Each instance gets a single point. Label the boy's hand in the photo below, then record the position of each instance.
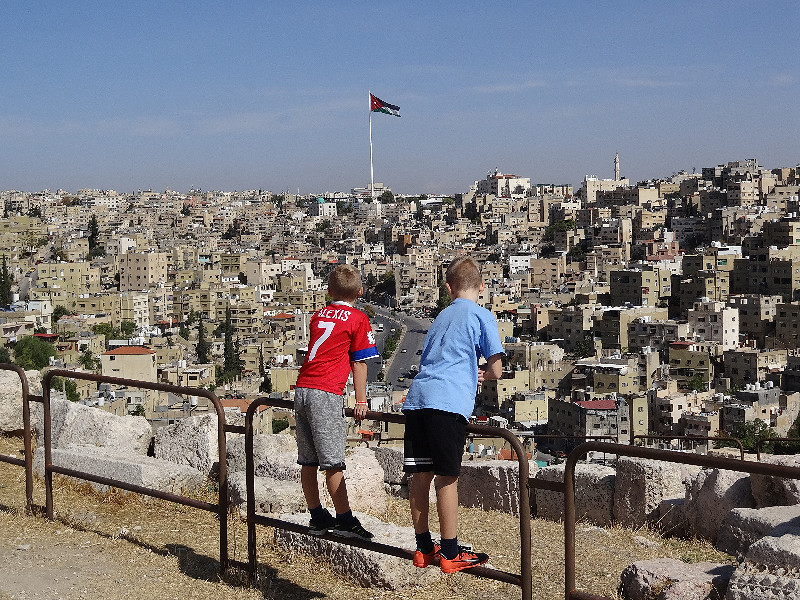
(360, 411)
(481, 375)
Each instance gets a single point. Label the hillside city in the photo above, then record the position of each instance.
(666, 307)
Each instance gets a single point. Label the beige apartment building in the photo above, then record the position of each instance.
(715, 322)
(141, 271)
(62, 283)
(750, 365)
(756, 315)
(130, 362)
(641, 287)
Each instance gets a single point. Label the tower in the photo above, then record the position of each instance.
(616, 167)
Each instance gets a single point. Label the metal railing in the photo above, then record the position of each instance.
(693, 438)
(714, 462)
(27, 462)
(221, 508)
(761, 442)
(524, 579)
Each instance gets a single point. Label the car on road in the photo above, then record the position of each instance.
(401, 379)
(403, 350)
(419, 352)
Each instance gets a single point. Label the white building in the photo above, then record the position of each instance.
(712, 321)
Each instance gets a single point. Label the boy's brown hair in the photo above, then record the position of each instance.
(463, 274)
(344, 283)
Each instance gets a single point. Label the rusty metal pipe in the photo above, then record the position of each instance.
(702, 438)
(27, 435)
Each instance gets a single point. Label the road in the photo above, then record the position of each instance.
(406, 353)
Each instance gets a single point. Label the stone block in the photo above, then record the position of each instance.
(192, 441)
(364, 477)
(271, 495)
(77, 424)
(776, 491)
(742, 527)
(642, 484)
(711, 495)
(365, 567)
(490, 485)
(391, 461)
(670, 579)
(274, 454)
(11, 398)
(125, 467)
(771, 570)
(672, 517)
(594, 493)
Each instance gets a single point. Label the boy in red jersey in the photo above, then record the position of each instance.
(341, 340)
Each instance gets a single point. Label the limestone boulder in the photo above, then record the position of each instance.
(11, 398)
(711, 495)
(742, 527)
(771, 569)
(490, 485)
(594, 493)
(272, 496)
(670, 579)
(391, 461)
(77, 424)
(192, 441)
(125, 467)
(672, 517)
(364, 477)
(274, 455)
(641, 484)
(776, 491)
(367, 568)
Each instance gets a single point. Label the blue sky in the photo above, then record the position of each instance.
(274, 95)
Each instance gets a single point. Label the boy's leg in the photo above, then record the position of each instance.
(447, 505)
(418, 500)
(334, 478)
(308, 480)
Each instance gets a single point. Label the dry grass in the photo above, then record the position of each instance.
(122, 546)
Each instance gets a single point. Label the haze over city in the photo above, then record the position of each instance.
(275, 95)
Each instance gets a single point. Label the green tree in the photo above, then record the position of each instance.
(88, 361)
(266, 382)
(68, 386)
(5, 355)
(60, 311)
(203, 347)
(279, 425)
(137, 411)
(386, 197)
(323, 225)
(106, 330)
(750, 433)
(127, 328)
(94, 232)
(6, 281)
(186, 210)
(32, 353)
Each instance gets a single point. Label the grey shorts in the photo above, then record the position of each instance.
(321, 428)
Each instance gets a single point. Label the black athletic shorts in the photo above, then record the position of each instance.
(434, 441)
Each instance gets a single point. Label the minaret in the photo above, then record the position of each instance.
(616, 167)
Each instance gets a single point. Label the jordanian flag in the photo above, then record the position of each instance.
(378, 105)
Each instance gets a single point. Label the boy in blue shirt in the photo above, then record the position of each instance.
(437, 408)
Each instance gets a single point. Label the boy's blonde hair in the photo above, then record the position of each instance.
(463, 274)
(344, 283)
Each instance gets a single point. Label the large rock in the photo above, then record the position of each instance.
(594, 493)
(365, 567)
(672, 517)
(192, 441)
(670, 579)
(711, 495)
(77, 424)
(642, 484)
(770, 570)
(274, 455)
(125, 467)
(391, 461)
(742, 527)
(11, 398)
(776, 491)
(364, 477)
(271, 495)
(490, 485)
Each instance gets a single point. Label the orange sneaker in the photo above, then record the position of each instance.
(423, 560)
(465, 559)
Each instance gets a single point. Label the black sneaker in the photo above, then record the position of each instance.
(352, 530)
(322, 526)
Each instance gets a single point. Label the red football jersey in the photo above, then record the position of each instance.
(339, 334)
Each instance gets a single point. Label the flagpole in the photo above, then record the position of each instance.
(371, 171)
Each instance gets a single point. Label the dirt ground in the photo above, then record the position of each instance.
(122, 546)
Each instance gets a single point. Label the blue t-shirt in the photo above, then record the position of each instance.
(448, 368)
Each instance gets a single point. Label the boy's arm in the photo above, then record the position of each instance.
(493, 368)
(360, 386)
